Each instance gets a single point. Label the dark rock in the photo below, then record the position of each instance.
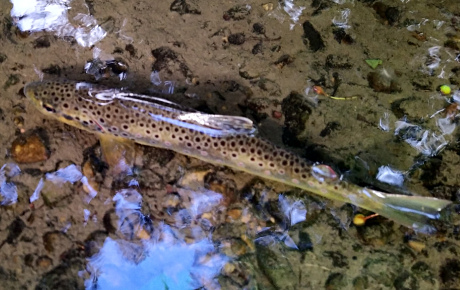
(130, 48)
(42, 42)
(12, 80)
(236, 38)
(338, 259)
(184, 7)
(389, 14)
(94, 242)
(330, 127)
(312, 37)
(450, 273)
(166, 58)
(338, 62)
(361, 283)
(258, 48)
(422, 270)
(274, 264)
(53, 69)
(336, 281)
(380, 83)
(406, 281)
(14, 230)
(237, 12)
(284, 60)
(296, 111)
(3, 57)
(341, 36)
(55, 240)
(109, 220)
(258, 28)
(383, 267)
(64, 276)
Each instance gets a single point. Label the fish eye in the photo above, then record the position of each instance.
(48, 108)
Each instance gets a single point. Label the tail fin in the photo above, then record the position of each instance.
(413, 211)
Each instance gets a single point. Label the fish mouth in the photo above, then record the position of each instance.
(30, 91)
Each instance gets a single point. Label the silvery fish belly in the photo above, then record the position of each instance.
(218, 139)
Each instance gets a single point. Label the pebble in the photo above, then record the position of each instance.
(29, 149)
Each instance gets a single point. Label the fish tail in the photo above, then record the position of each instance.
(416, 212)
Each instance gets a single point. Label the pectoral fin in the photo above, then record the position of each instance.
(119, 153)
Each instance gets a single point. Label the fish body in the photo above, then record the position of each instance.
(217, 139)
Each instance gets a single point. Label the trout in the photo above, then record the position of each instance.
(218, 139)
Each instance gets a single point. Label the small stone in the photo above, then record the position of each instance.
(277, 114)
(284, 60)
(183, 7)
(29, 148)
(236, 38)
(44, 262)
(312, 37)
(416, 245)
(258, 28)
(234, 214)
(267, 6)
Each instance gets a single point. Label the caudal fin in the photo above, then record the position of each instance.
(413, 211)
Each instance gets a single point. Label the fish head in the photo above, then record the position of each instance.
(69, 102)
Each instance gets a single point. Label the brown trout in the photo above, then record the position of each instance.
(217, 139)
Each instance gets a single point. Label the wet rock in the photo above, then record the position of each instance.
(108, 24)
(3, 57)
(184, 7)
(338, 259)
(29, 260)
(65, 275)
(338, 62)
(131, 49)
(258, 28)
(42, 42)
(423, 271)
(12, 80)
(330, 127)
(248, 74)
(94, 242)
(380, 82)
(336, 281)
(275, 265)
(341, 36)
(237, 12)
(296, 112)
(30, 147)
(236, 38)
(383, 267)
(284, 60)
(312, 37)
(109, 221)
(55, 240)
(361, 283)
(226, 187)
(375, 232)
(390, 15)
(166, 58)
(257, 48)
(44, 262)
(15, 230)
(406, 281)
(450, 273)
(52, 69)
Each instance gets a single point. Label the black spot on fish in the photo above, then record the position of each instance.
(70, 118)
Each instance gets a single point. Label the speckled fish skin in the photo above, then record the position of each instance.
(156, 122)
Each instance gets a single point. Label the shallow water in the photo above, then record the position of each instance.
(179, 223)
